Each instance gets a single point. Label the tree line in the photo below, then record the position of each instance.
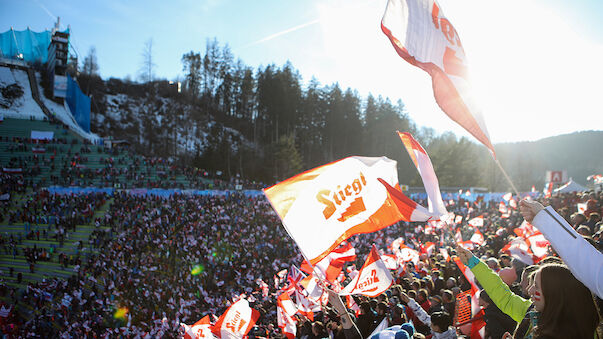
(268, 124)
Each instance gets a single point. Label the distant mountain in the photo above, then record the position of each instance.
(579, 153)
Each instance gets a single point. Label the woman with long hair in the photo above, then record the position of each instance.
(560, 306)
(566, 307)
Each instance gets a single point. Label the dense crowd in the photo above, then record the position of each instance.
(166, 261)
(118, 167)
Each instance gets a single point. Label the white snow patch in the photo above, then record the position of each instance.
(24, 107)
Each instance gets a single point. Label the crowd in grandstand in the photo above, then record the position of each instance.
(118, 167)
(167, 261)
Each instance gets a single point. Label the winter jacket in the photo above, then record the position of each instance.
(508, 302)
(426, 319)
(585, 262)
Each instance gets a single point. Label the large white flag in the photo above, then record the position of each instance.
(422, 36)
(236, 322)
(423, 164)
(324, 206)
(372, 279)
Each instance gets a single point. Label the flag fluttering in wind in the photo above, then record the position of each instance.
(201, 329)
(519, 249)
(236, 322)
(410, 210)
(420, 158)
(285, 311)
(422, 36)
(373, 278)
(477, 326)
(324, 206)
(331, 265)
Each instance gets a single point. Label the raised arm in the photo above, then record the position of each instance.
(585, 261)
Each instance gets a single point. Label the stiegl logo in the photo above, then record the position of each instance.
(333, 199)
(232, 324)
(372, 279)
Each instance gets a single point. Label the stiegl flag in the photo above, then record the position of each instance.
(373, 278)
(236, 322)
(422, 36)
(324, 206)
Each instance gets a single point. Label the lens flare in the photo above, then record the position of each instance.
(120, 313)
(197, 269)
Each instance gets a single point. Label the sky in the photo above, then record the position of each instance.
(535, 65)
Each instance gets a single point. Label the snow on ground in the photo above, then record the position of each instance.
(63, 113)
(24, 107)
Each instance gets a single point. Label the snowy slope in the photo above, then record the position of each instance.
(25, 106)
(63, 113)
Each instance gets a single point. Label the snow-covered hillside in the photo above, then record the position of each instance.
(162, 124)
(16, 100)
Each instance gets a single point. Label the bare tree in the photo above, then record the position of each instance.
(90, 66)
(147, 67)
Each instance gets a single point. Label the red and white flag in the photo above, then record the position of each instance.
(373, 278)
(477, 326)
(331, 265)
(478, 238)
(285, 311)
(236, 322)
(458, 236)
(581, 207)
(513, 204)
(507, 196)
(428, 248)
(201, 329)
(519, 249)
(390, 261)
(422, 36)
(324, 206)
(445, 254)
(420, 158)
(525, 230)
(458, 219)
(548, 189)
(477, 221)
(504, 210)
(539, 246)
(406, 254)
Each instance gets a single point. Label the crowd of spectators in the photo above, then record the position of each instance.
(167, 261)
(69, 162)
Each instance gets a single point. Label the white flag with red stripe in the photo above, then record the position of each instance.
(428, 248)
(539, 246)
(201, 329)
(410, 210)
(285, 311)
(324, 206)
(520, 250)
(525, 230)
(422, 36)
(236, 322)
(390, 261)
(407, 254)
(478, 238)
(331, 265)
(373, 278)
(477, 326)
(419, 157)
(477, 221)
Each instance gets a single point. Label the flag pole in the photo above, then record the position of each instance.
(507, 177)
